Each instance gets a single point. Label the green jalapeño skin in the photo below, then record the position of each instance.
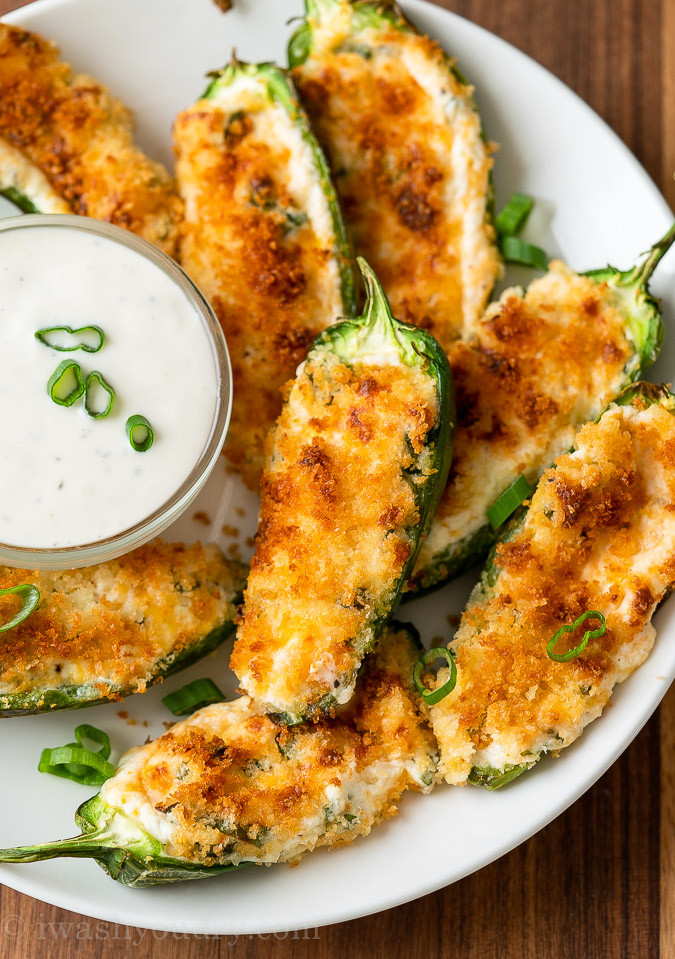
(411, 165)
(356, 464)
(563, 609)
(541, 363)
(212, 794)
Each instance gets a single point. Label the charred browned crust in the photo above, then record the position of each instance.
(110, 624)
(334, 527)
(80, 137)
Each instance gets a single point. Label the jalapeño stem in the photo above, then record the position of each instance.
(641, 274)
(86, 845)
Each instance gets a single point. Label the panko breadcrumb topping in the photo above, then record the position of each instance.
(229, 785)
(81, 138)
(539, 365)
(334, 531)
(258, 239)
(599, 535)
(104, 631)
(410, 166)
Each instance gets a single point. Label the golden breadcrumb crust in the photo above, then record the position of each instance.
(410, 166)
(538, 366)
(273, 282)
(107, 626)
(69, 126)
(599, 535)
(334, 531)
(230, 785)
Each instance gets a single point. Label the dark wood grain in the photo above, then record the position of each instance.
(599, 882)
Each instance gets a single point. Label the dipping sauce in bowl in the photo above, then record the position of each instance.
(73, 489)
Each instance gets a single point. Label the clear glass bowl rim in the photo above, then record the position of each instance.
(70, 557)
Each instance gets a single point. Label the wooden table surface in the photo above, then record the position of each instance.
(599, 882)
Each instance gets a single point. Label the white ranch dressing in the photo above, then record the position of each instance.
(67, 479)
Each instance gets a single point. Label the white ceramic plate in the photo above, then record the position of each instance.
(594, 203)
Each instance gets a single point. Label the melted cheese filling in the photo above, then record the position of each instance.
(20, 174)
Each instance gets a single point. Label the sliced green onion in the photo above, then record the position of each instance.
(433, 696)
(74, 761)
(515, 250)
(65, 384)
(30, 597)
(140, 433)
(590, 634)
(187, 699)
(513, 217)
(95, 390)
(89, 339)
(508, 501)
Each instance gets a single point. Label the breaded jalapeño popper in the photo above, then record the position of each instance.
(410, 163)
(539, 365)
(564, 605)
(355, 466)
(262, 237)
(228, 786)
(103, 632)
(66, 146)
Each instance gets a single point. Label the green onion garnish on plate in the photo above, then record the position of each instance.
(30, 597)
(508, 501)
(513, 217)
(589, 634)
(98, 396)
(74, 761)
(66, 385)
(515, 250)
(188, 699)
(433, 696)
(140, 433)
(89, 339)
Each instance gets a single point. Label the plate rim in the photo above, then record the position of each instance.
(12, 876)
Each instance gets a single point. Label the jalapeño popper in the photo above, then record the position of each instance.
(563, 608)
(103, 632)
(355, 466)
(411, 164)
(227, 786)
(539, 365)
(262, 237)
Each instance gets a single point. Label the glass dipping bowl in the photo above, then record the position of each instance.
(99, 551)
